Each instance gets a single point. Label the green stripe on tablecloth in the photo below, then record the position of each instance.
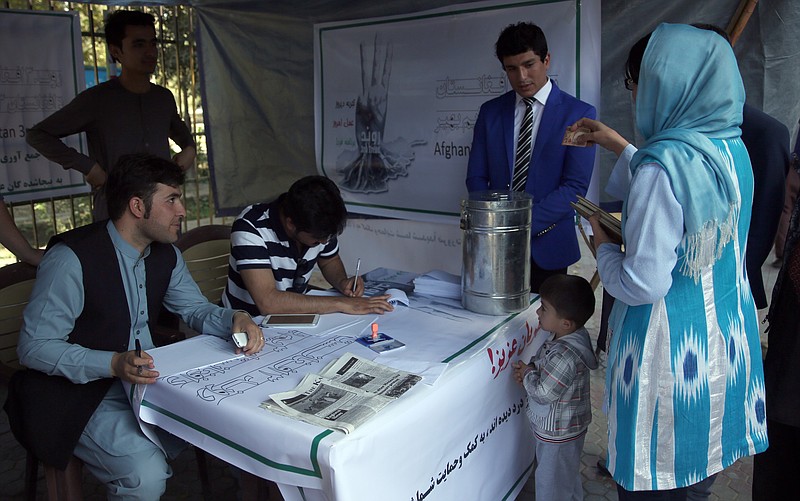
(519, 479)
(487, 334)
(316, 472)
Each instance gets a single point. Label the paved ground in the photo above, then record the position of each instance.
(733, 484)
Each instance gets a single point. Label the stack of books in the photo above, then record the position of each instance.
(610, 224)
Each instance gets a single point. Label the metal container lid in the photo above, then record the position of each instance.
(497, 199)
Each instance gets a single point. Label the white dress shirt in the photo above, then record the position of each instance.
(539, 100)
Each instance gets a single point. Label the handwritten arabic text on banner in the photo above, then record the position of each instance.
(41, 71)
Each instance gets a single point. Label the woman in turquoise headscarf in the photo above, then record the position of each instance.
(684, 383)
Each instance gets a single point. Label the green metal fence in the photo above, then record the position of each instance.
(177, 70)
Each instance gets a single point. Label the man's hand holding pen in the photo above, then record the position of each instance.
(134, 366)
(357, 289)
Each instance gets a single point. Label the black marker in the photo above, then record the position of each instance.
(138, 354)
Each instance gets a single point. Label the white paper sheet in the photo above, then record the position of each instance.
(198, 351)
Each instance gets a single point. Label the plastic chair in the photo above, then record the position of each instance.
(206, 250)
(16, 283)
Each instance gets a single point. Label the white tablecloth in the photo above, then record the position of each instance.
(465, 437)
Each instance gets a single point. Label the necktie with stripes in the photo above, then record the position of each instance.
(523, 158)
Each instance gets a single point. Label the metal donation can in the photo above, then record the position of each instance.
(496, 248)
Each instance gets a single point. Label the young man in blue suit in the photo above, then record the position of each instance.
(555, 174)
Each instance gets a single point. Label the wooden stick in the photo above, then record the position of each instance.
(735, 17)
(742, 16)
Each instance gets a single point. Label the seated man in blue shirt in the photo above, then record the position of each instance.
(97, 289)
(275, 246)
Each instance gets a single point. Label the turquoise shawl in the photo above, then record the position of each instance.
(690, 90)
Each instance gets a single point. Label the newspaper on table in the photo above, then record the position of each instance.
(348, 392)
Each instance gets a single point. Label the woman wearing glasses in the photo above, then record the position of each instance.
(684, 384)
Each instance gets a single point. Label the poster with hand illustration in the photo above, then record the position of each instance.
(397, 98)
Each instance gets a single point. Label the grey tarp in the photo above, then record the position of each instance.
(257, 75)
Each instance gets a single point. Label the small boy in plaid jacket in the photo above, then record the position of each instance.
(557, 383)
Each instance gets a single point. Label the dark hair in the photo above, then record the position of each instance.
(518, 38)
(136, 175)
(315, 206)
(570, 295)
(634, 63)
(119, 19)
(716, 29)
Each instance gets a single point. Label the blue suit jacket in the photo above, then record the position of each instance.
(556, 176)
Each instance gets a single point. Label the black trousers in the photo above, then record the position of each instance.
(605, 313)
(538, 275)
(775, 468)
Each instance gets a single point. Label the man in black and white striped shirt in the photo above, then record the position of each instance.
(275, 246)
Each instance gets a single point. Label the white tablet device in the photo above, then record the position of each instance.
(290, 320)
